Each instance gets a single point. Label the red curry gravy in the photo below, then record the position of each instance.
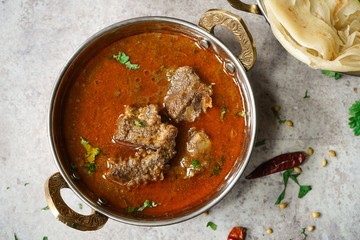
(97, 98)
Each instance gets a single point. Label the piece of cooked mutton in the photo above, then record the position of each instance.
(142, 127)
(187, 96)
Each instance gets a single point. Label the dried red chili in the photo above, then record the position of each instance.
(237, 233)
(278, 164)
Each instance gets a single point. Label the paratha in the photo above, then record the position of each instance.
(325, 34)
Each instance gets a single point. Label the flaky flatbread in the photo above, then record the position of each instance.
(325, 34)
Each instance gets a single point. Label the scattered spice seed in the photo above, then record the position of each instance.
(289, 123)
(332, 153)
(283, 205)
(310, 151)
(206, 213)
(311, 228)
(269, 231)
(297, 169)
(324, 163)
(315, 214)
(277, 108)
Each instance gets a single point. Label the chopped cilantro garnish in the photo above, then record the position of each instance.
(73, 166)
(216, 170)
(277, 115)
(80, 206)
(125, 59)
(304, 235)
(303, 189)
(222, 113)
(45, 208)
(139, 123)
(146, 204)
(260, 143)
(354, 119)
(15, 237)
(306, 94)
(286, 176)
(329, 73)
(74, 225)
(45, 238)
(212, 225)
(196, 163)
(91, 153)
(25, 184)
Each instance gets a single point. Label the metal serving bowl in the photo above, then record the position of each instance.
(203, 35)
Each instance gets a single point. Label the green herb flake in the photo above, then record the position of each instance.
(122, 58)
(304, 235)
(260, 143)
(277, 115)
(139, 123)
(222, 113)
(146, 204)
(25, 184)
(304, 189)
(45, 208)
(216, 170)
(45, 238)
(286, 176)
(91, 153)
(354, 118)
(15, 237)
(306, 94)
(7, 188)
(329, 73)
(80, 206)
(212, 225)
(74, 225)
(196, 163)
(73, 166)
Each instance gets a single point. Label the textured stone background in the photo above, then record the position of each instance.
(38, 37)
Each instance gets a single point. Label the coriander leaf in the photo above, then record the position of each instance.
(91, 153)
(222, 113)
(121, 57)
(212, 225)
(216, 170)
(277, 115)
(304, 189)
(260, 143)
(45, 238)
(280, 197)
(329, 73)
(196, 163)
(125, 59)
(15, 237)
(354, 119)
(132, 66)
(45, 208)
(146, 204)
(74, 225)
(80, 206)
(306, 94)
(294, 178)
(303, 233)
(286, 176)
(139, 123)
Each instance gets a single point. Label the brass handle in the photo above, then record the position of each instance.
(64, 213)
(235, 24)
(251, 8)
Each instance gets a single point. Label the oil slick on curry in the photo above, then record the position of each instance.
(155, 131)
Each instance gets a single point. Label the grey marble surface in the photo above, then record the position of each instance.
(37, 38)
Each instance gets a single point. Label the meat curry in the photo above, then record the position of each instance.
(134, 137)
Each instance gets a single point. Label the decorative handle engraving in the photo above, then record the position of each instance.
(235, 24)
(64, 213)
